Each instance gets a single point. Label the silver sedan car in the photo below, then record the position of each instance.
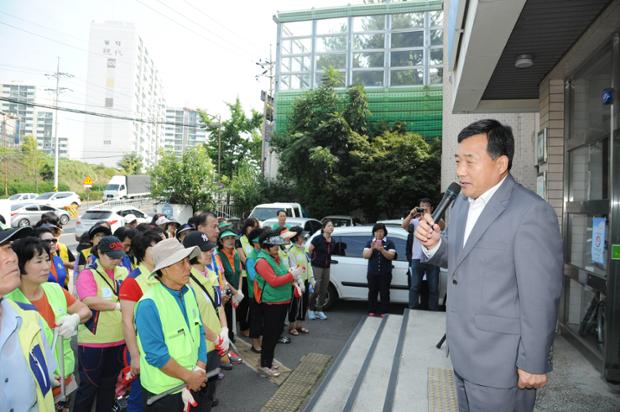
(27, 214)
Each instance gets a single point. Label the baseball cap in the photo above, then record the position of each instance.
(185, 228)
(199, 239)
(227, 233)
(111, 246)
(16, 233)
(99, 229)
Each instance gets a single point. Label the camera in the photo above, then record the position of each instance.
(419, 209)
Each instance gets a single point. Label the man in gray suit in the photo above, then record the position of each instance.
(503, 250)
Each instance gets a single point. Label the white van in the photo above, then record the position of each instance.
(269, 210)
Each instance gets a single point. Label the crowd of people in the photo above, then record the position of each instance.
(150, 310)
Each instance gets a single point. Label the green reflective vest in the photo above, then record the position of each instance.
(182, 341)
(269, 293)
(56, 299)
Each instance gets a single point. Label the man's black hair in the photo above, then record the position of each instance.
(280, 211)
(124, 232)
(249, 222)
(143, 241)
(201, 219)
(426, 200)
(500, 141)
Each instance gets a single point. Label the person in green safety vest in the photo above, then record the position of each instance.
(171, 336)
(27, 363)
(56, 305)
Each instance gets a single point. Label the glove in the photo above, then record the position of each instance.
(311, 288)
(238, 297)
(188, 400)
(55, 380)
(296, 272)
(225, 339)
(219, 342)
(118, 306)
(67, 326)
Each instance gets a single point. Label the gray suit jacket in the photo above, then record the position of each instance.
(504, 286)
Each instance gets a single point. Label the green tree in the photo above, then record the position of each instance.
(32, 159)
(235, 140)
(130, 164)
(190, 179)
(247, 187)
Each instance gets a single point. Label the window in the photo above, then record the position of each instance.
(408, 39)
(109, 102)
(46, 208)
(96, 215)
(401, 248)
(107, 142)
(111, 63)
(32, 208)
(350, 245)
(407, 77)
(368, 78)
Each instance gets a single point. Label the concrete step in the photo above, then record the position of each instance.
(424, 329)
(374, 387)
(338, 384)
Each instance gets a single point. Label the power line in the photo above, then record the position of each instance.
(89, 113)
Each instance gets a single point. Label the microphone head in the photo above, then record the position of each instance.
(453, 190)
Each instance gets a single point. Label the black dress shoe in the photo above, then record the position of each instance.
(215, 402)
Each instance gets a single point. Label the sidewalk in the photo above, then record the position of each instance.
(574, 385)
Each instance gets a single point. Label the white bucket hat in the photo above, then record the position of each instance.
(170, 251)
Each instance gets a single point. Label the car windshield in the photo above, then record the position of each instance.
(338, 222)
(265, 213)
(15, 197)
(18, 206)
(96, 215)
(111, 187)
(46, 195)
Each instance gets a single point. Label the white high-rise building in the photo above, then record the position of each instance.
(30, 120)
(189, 130)
(122, 80)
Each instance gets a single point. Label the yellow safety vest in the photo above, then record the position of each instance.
(56, 299)
(208, 314)
(33, 350)
(144, 278)
(63, 252)
(105, 326)
(182, 341)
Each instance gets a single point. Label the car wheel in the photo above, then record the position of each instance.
(23, 223)
(332, 296)
(64, 219)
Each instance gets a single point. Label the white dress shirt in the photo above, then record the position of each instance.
(476, 206)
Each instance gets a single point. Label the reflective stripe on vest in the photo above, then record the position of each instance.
(58, 271)
(182, 341)
(58, 303)
(32, 348)
(105, 326)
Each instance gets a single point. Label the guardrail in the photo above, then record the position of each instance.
(141, 203)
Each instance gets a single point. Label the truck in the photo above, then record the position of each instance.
(266, 211)
(127, 187)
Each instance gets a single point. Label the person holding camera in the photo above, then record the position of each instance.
(380, 251)
(417, 268)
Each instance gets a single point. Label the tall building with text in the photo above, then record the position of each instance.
(123, 81)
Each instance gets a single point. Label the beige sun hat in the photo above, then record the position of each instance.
(170, 251)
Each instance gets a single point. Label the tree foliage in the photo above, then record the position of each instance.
(234, 140)
(337, 165)
(130, 164)
(32, 159)
(189, 179)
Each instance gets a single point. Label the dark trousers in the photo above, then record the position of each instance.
(274, 322)
(473, 397)
(379, 285)
(418, 270)
(229, 320)
(134, 401)
(98, 369)
(244, 307)
(174, 402)
(299, 306)
(256, 319)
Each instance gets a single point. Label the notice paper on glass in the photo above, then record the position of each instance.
(598, 240)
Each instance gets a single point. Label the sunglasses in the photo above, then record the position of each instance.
(50, 240)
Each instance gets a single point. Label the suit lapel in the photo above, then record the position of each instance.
(460, 218)
(492, 210)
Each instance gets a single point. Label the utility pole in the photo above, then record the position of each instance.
(267, 98)
(219, 145)
(57, 91)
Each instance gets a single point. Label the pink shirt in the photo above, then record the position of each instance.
(86, 287)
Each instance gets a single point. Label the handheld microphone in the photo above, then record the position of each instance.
(451, 193)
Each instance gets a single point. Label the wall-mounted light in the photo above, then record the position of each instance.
(524, 61)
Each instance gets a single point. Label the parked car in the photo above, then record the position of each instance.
(308, 224)
(391, 222)
(340, 220)
(23, 197)
(58, 199)
(115, 216)
(27, 214)
(348, 268)
(268, 210)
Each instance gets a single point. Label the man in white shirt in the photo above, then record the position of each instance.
(503, 251)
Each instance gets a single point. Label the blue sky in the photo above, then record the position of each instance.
(205, 51)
